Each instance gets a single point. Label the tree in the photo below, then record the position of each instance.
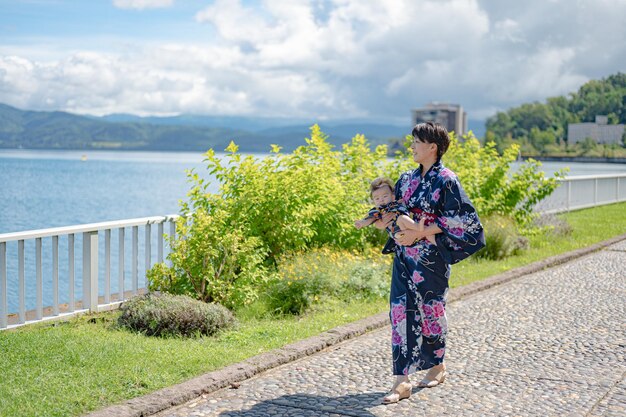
(543, 126)
(588, 145)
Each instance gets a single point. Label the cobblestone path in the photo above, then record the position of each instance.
(551, 343)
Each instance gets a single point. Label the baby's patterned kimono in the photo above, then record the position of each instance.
(396, 207)
(419, 282)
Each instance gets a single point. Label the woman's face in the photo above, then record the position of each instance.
(423, 151)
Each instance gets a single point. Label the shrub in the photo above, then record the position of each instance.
(173, 315)
(367, 280)
(493, 186)
(302, 279)
(212, 260)
(291, 297)
(229, 242)
(501, 238)
(292, 202)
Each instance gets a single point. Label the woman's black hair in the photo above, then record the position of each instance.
(432, 133)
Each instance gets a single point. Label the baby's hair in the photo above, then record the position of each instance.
(381, 182)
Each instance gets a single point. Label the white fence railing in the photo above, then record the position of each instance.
(578, 192)
(22, 301)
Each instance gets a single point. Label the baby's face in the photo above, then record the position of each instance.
(382, 196)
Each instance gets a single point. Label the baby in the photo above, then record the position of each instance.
(381, 192)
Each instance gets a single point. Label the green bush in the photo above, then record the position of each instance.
(173, 315)
(493, 186)
(228, 243)
(291, 202)
(367, 280)
(501, 238)
(292, 297)
(303, 279)
(212, 260)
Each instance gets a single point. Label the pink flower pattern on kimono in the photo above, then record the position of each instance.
(428, 310)
(436, 195)
(454, 225)
(398, 313)
(438, 309)
(410, 190)
(412, 251)
(434, 322)
(446, 173)
(417, 277)
(435, 328)
(439, 352)
(396, 339)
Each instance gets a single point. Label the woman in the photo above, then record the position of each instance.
(421, 269)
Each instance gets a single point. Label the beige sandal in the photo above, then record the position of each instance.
(433, 379)
(399, 392)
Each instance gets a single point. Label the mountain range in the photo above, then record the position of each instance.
(62, 130)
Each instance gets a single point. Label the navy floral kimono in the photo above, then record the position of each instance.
(419, 282)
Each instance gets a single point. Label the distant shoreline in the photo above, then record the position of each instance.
(584, 159)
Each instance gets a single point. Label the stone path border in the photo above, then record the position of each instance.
(178, 394)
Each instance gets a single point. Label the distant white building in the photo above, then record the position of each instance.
(599, 131)
(451, 116)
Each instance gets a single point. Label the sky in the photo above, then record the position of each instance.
(307, 59)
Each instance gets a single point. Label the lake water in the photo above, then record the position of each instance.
(42, 189)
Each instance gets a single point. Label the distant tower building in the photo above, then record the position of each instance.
(600, 131)
(451, 116)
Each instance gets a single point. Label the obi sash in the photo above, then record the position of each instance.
(430, 217)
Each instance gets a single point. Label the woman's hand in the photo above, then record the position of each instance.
(385, 221)
(405, 222)
(407, 237)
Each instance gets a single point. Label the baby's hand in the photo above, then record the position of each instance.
(360, 223)
(431, 239)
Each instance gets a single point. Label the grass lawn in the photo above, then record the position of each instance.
(70, 368)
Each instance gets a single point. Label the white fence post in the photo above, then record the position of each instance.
(22, 282)
(71, 261)
(134, 259)
(107, 266)
(148, 248)
(120, 285)
(160, 242)
(38, 273)
(90, 271)
(569, 194)
(3, 286)
(55, 275)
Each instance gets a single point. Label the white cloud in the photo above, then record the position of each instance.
(336, 58)
(142, 4)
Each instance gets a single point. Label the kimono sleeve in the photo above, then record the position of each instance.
(374, 215)
(462, 232)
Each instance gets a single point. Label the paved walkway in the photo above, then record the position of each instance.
(551, 343)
